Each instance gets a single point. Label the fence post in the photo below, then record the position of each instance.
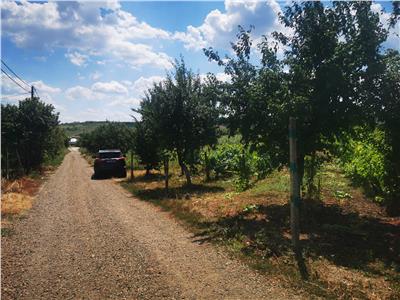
(294, 186)
(132, 175)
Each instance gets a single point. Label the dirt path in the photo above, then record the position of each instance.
(89, 239)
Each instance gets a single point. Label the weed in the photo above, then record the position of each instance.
(6, 232)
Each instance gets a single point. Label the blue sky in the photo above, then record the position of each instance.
(94, 60)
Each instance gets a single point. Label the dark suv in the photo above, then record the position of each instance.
(109, 162)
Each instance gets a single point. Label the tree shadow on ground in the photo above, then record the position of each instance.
(104, 176)
(181, 192)
(345, 239)
(150, 177)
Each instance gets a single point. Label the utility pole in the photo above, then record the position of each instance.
(32, 90)
(294, 187)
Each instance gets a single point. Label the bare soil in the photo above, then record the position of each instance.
(90, 239)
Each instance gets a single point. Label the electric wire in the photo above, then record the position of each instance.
(14, 73)
(9, 76)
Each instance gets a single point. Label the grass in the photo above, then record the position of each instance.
(350, 248)
(57, 160)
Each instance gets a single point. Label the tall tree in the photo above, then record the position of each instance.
(183, 113)
(326, 79)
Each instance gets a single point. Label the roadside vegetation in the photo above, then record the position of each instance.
(32, 144)
(76, 129)
(216, 153)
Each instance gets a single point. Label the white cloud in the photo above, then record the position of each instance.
(8, 87)
(112, 87)
(80, 93)
(393, 40)
(131, 102)
(220, 28)
(126, 93)
(12, 92)
(220, 76)
(77, 58)
(142, 84)
(85, 31)
(95, 76)
(42, 87)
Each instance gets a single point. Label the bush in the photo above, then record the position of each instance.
(363, 160)
(231, 158)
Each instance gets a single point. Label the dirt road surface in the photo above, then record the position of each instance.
(90, 239)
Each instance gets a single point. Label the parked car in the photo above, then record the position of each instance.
(109, 162)
(73, 141)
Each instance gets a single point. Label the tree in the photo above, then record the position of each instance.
(35, 120)
(326, 79)
(182, 111)
(112, 135)
(388, 109)
(146, 146)
(30, 133)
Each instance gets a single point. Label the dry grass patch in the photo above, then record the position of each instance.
(16, 199)
(15, 203)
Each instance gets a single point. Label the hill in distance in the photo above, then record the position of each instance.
(77, 128)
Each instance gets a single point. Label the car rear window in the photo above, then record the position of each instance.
(110, 154)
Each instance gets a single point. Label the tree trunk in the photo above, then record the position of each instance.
(300, 166)
(132, 175)
(185, 170)
(187, 174)
(207, 166)
(166, 172)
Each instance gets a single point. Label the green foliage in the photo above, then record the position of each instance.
(329, 78)
(251, 208)
(146, 146)
(342, 195)
(30, 135)
(78, 128)
(112, 135)
(182, 112)
(231, 158)
(363, 159)
(243, 171)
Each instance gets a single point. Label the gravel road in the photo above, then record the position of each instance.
(90, 239)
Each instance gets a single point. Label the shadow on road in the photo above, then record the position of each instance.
(103, 177)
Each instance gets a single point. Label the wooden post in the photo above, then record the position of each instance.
(294, 186)
(132, 175)
(166, 171)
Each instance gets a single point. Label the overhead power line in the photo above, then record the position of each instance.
(14, 73)
(13, 96)
(36, 91)
(9, 76)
